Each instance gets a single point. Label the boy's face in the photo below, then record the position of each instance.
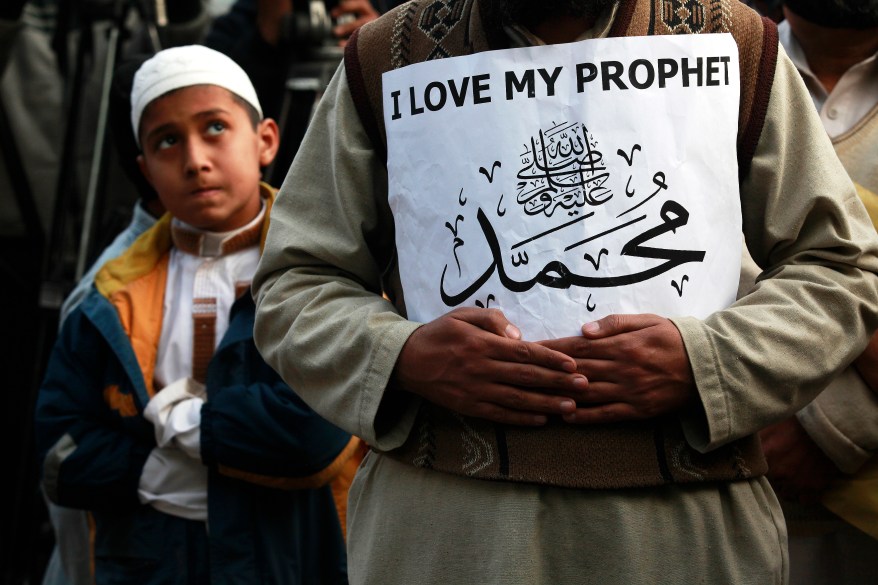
(203, 157)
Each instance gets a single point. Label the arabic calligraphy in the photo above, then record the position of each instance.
(562, 167)
(556, 274)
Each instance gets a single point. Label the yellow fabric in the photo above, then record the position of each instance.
(137, 260)
(856, 499)
(870, 200)
(315, 480)
(137, 279)
(122, 403)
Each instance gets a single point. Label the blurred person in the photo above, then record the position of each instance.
(70, 561)
(823, 461)
(431, 398)
(261, 36)
(34, 93)
(156, 414)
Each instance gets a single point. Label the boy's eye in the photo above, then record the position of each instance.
(166, 142)
(215, 128)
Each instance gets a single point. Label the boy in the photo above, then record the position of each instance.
(157, 414)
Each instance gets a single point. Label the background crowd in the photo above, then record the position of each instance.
(72, 196)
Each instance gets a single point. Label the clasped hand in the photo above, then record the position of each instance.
(474, 362)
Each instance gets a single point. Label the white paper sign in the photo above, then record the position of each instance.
(568, 182)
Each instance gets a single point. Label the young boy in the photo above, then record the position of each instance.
(157, 414)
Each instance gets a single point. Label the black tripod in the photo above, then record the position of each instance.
(307, 33)
(45, 262)
(80, 17)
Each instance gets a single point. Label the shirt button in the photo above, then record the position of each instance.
(832, 113)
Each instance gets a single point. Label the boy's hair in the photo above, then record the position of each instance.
(252, 114)
(180, 67)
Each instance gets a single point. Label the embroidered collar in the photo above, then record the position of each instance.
(210, 244)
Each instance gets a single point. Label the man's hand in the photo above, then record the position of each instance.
(867, 363)
(798, 469)
(636, 365)
(269, 16)
(474, 362)
(362, 12)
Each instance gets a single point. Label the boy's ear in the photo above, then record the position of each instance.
(269, 141)
(141, 162)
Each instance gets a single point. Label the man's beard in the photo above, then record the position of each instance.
(837, 13)
(529, 11)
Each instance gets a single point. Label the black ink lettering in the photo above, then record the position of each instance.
(590, 305)
(629, 159)
(615, 75)
(550, 79)
(725, 62)
(460, 198)
(659, 180)
(395, 96)
(667, 69)
(490, 176)
(480, 86)
(414, 108)
(632, 73)
(522, 259)
(457, 242)
(453, 228)
(595, 263)
(629, 192)
(552, 230)
(679, 287)
(556, 274)
(454, 300)
(674, 216)
(688, 71)
(428, 94)
(487, 303)
(513, 84)
(585, 72)
(459, 97)
(712, 69)
(603, 233)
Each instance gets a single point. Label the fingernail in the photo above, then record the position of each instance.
(569, 366)
(591, 327)
(580, 382)
(512, 332)
(568, 405)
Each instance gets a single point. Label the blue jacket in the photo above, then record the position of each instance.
(273, 464)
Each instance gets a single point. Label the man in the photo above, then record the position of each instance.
(827, 452)
(358, 361)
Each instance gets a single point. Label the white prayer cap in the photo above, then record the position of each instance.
(179, 67)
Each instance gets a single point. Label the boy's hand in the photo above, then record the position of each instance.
(358, 13)
(636, 365)
(473, 362)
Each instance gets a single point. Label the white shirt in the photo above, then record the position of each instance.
(174, 480)
(854, 96)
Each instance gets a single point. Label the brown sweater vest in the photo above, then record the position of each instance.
(630, 454)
